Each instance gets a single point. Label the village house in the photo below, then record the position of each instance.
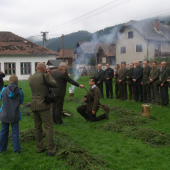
(139, 40)
(20, 56)
(101, 53)
(67, 56)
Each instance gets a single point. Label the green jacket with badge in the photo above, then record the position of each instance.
(154, 74)
(146, 74)
(39, 89)
(92, 103)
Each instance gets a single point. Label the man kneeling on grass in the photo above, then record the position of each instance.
(11, 96)
(90, 108)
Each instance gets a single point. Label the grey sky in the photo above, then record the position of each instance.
(30, 17)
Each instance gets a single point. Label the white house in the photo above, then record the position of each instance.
(20, 56)
(139, 40)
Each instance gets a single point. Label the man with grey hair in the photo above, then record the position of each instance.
(61, 77)
(164, 84)
(137, 77)
(99, 75)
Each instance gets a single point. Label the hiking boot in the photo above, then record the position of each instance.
(42, 151)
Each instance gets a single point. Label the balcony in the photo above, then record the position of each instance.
(162, 54)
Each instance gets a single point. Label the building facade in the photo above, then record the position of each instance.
(139, 40)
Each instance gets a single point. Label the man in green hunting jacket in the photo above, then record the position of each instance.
(122, 80)
(154, 78)
(146, 83)
(90, 108)
(41, 110)
(164, 84)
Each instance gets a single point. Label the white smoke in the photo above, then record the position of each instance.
(72, 87)
(96, 41)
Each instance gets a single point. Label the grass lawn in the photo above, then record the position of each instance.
(120, 152)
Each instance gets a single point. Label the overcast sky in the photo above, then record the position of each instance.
(30, 17)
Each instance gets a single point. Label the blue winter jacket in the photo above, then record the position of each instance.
(11, 96)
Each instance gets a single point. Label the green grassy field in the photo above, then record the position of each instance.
(120, 152)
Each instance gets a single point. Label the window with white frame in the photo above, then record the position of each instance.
(123, 49)
(9, 68)
(104, 60)
(25, 68)
(139, 48)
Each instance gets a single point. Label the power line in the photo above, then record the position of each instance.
(84, 15)
(93, 15)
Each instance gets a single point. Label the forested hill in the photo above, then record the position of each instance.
(105, 35)
(70, 40)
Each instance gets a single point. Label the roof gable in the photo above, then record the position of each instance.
(68, 53)
(147, 30)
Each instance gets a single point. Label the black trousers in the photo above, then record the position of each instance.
(117, 90)
(131, 92)
(164, 95)
(123, 91)
(57, 108)
(146, 93)
(138, 92)
(88, 115)
(100, 86)
(109, 89)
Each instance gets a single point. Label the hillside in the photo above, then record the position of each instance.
(105, 35)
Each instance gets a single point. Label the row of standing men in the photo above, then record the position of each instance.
(147, 85)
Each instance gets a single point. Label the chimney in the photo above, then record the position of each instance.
(162, 22)
(156, 24)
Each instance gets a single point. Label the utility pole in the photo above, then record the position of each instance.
(63, 45)
(44, 38)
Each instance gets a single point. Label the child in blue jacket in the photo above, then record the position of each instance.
(11, 96)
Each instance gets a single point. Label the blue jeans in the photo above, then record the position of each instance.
(4, 136)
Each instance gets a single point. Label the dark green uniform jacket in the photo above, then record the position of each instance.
(122, 75)
(164, 74)
(39, 89)
(146, 73)
(92, 103)
(154, 74)
(61, 77)
(99, 76)
(130, 73)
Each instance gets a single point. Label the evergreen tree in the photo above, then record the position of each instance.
(58, 49)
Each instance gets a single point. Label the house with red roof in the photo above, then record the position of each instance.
(20, 56)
